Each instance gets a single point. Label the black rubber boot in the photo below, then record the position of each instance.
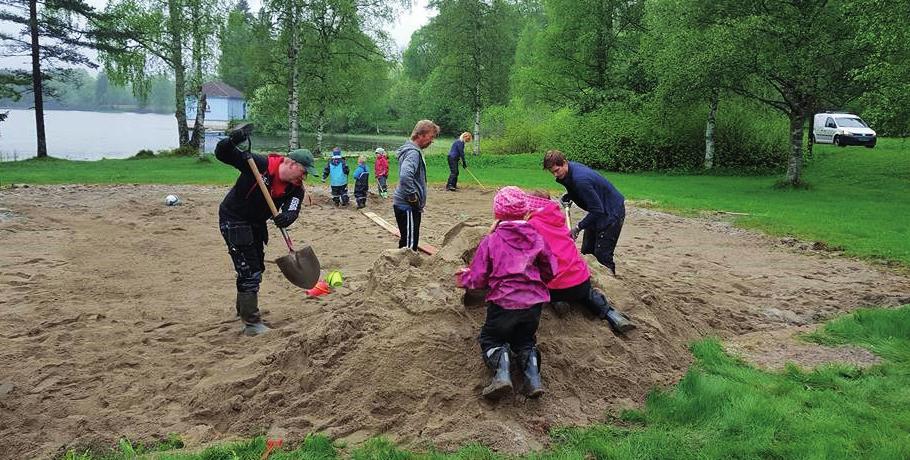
(598, 303)
(501, 385)
(248, 309)
(533, 388)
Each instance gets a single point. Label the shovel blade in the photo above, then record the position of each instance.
(300, 267)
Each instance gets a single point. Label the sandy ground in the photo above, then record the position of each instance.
(118, 320)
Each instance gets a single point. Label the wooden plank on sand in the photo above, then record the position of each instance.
(426, 248)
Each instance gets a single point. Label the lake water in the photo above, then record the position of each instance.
(77, 135)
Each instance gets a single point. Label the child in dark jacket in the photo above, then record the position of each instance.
(382, 172)
(337, 172)
(513, 261)
(361, 182)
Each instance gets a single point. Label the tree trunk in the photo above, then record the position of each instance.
(198, 140)
(709, 131)
(293, 90)
(795, 165)
(476, 143)
(320, 127)
(811, 134)
(176, 54)
(37, 84)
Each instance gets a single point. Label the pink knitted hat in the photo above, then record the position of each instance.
(510, 203)
(535, 203)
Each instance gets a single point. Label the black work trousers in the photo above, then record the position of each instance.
(602, 243)
(246, 245)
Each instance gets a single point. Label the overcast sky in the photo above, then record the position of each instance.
(400, 31)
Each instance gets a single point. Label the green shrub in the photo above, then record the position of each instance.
(144, 153)
(185, 151)
(747, 138)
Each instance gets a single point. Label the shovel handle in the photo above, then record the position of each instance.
(268, 199)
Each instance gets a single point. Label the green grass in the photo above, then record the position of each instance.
(722, 408)
(858, 198)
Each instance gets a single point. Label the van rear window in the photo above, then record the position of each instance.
(851, 123)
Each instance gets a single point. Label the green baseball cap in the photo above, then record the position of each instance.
(304, 157)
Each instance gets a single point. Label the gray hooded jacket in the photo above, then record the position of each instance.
(412, 177)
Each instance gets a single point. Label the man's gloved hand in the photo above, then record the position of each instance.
(565, 200)
(575, 231)
(283, 219)
(241, 133)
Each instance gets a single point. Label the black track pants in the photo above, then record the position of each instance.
(408, 220)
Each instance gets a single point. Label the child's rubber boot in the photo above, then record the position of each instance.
(619, 322)
(597, 302)
(501, 385)
(533, 388)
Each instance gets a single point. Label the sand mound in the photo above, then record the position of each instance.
(118, 320)
(403, 360)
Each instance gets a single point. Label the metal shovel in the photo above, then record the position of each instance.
(300, 267)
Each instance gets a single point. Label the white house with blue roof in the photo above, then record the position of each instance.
(223, 104)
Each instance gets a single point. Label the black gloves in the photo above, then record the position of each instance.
(284, 219)
(241, 133)
(565, 200)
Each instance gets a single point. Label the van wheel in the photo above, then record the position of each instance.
(837, 142)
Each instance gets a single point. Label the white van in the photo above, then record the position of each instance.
(842, 129)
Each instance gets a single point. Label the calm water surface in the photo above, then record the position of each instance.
(78, 135)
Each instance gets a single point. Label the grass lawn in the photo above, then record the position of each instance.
(858, 199)
(721, 409)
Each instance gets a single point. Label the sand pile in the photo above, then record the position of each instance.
(402, 360)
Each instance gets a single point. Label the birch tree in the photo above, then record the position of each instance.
(164, 32)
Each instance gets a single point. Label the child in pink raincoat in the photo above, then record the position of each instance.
(572, 282)
(514, 263)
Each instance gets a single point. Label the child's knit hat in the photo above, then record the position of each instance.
(536, 203)
(336, 152)
(510, 203)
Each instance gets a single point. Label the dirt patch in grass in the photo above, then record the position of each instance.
(118, 320)
(774, 349)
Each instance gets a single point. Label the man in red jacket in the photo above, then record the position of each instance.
(243, 213)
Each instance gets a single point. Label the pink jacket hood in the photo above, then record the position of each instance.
(550, 223)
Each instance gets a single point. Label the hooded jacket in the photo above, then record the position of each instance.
(361, 178)
(412, 177)
(515, 264)
(382, 165)
(550, 223)
(244, 201)
(595, 194)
